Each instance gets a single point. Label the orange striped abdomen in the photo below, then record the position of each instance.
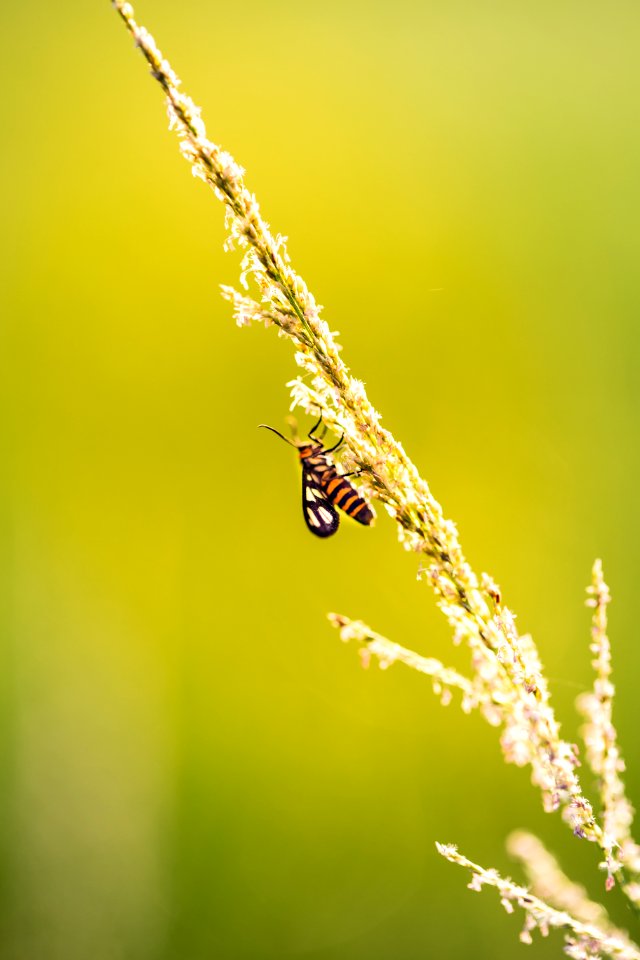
(343, 494)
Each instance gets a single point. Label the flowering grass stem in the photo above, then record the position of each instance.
(549, 882)
(507, 683)
(584, 941)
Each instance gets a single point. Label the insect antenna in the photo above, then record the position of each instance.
(266, 426)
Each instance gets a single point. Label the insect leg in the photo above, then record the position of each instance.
(335, 446)
(315, 427)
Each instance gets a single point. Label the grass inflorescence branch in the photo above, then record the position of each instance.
(584, 940)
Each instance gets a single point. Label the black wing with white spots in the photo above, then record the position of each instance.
(319, 514)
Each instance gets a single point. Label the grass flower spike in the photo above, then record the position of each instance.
(508, 663)
(550, 883)
(584, 941)
(506, 681)
(601, 742)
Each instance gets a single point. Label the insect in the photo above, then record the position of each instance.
(323, 488)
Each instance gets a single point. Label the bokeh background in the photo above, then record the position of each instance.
(192, 765)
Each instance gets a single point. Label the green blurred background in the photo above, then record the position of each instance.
(192, 765)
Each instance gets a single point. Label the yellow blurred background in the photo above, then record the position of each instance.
(193, 765)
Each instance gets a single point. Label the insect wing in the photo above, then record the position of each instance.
(319, 514)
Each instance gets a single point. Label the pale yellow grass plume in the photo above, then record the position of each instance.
(506, 681)
(601, 742)
(583, 941)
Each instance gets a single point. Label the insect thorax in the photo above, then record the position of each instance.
(313, 457)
